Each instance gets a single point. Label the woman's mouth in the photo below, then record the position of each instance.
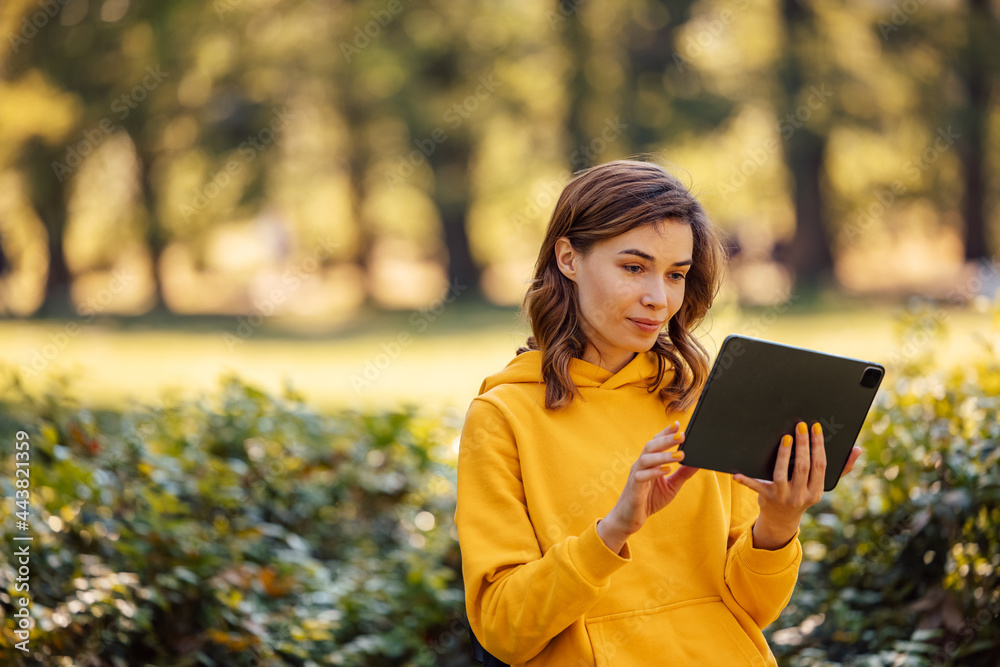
(648, 326)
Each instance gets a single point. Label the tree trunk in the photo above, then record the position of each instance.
(450, 163)
(366, 239)
(357, 166)
(805, 149)
(462, 269)
(810, 249)
(972, 155)
(155, 237)
(574, 36)
(49, 198)
(58, 301)
(972, 145)
(451, 178)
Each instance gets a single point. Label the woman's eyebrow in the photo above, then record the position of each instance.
(649, 258)
(638, 253)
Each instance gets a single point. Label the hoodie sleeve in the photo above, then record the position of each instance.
(517, 598)
(762, 581)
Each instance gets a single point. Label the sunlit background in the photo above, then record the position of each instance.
(349, 196)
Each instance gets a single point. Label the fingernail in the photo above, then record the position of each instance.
(677, 456)
(786, 440)
(817, 429)
(678, 436)
(801, 428)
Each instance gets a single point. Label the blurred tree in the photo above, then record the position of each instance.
(956, 97)
(49, 199)
(805, 144)
(356, 105)
(633, 64)
(156, 52)
(175, 78)
(110, 60)
(35, 116)
(151, 53)
(446, 93)
(630, 86)
(977, 63)
(663, 101)
(566, 19)
(29, 61)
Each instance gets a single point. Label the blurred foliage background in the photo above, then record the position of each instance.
(353, 153)
(347, 198)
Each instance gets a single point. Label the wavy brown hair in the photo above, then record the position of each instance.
(600, 203)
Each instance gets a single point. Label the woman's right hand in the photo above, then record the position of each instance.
(648, 489)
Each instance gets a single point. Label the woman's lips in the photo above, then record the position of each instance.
(649, 326)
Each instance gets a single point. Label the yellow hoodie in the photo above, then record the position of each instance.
(541, 586)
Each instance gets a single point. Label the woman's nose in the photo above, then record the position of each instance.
(655, 296)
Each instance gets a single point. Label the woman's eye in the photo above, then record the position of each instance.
(678, 276)
(633, 268)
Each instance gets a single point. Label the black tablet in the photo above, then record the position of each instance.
(758, 390)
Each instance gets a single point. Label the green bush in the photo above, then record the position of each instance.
(243, 531)
(901, 560)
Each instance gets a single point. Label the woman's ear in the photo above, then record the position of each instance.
(567, 258)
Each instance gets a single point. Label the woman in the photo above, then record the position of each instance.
(582, 543)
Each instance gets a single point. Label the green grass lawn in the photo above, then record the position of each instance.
(382, 359)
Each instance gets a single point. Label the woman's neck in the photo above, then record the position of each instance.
(593, 356)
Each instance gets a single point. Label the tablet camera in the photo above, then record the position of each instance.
(871, 377)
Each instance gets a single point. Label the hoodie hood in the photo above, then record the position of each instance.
(527, 368)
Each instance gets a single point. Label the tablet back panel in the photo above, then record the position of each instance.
(758, 390)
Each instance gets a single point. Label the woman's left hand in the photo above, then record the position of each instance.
(783, 501)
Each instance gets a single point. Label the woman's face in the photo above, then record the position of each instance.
(629, 287)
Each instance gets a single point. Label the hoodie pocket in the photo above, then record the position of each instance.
(694, 632)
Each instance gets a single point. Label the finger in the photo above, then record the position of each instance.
(758, 486)
(781, 463)
(673, 428)
(676, 480)
(657, 460)
(851, 460)
(671, 458)
(651, 466)
(800, 476)
(661, 442)
(817, 475)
